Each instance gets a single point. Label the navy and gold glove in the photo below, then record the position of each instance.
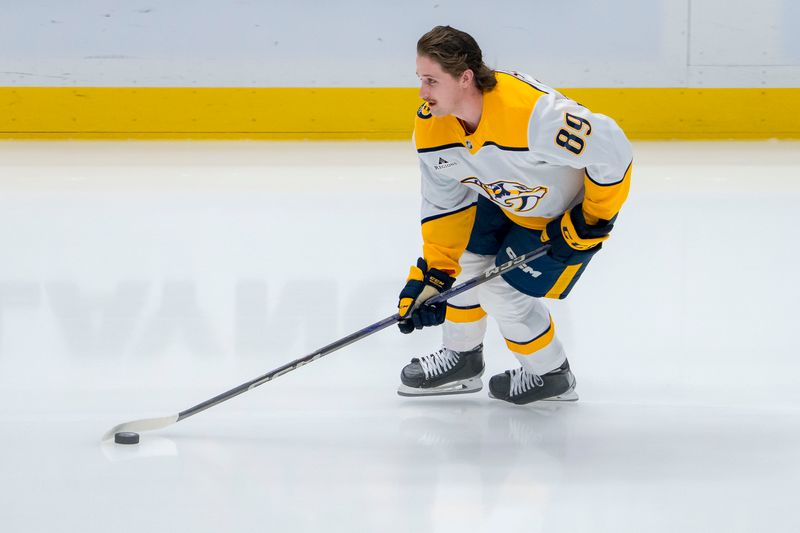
(422, 284)
(572, 240)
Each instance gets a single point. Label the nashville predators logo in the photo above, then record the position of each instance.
(510, 194)
(424, 111)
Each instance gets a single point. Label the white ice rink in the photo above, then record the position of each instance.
(138, 279)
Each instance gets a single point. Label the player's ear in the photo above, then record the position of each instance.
(466, 77)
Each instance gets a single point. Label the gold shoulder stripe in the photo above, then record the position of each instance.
(508, 110)
(514, 74)
(435, 132)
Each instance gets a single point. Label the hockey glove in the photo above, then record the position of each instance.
(572, 240)
(422, 284)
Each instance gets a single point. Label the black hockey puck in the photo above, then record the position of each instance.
(126, 437)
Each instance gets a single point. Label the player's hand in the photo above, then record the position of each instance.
(572, 240)
(422, 284)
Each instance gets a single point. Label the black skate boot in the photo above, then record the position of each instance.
(443, 372)
(519, 386)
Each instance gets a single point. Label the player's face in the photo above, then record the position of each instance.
(441, 90)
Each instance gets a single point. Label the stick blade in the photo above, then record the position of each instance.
(145, 424)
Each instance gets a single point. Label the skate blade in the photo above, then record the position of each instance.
(569, 396)
(462, 387)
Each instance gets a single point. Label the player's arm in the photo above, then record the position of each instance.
(448, 213)
(569, 134)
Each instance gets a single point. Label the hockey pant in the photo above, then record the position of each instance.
(524, 321)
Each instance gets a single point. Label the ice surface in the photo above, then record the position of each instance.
(138, 279)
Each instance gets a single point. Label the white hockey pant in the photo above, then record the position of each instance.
(524, 321)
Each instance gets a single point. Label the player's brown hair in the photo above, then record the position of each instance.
(456, 51)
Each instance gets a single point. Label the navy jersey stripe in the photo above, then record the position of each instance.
(487, 143)
(437, 148)
(462, 307)
(506, 148)
(523, 80)
(441, 215)
(608, 184)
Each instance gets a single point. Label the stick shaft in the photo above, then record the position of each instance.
(362, 333)
(288, 367)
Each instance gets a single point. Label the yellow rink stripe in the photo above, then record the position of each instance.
(207, 113)
(536, 344)
(464, 315)
(365, 113)
(674, 113)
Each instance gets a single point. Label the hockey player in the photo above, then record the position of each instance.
(507, 164)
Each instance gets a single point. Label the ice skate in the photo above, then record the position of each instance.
(443, 372)
(519, 386)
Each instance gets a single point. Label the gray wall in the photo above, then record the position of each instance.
(358, 43)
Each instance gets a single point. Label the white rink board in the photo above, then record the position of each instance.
(358, 43)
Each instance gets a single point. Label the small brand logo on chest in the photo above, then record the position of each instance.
(443, 164)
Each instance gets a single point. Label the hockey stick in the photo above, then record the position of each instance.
(148, 424)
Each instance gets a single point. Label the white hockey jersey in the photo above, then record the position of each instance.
(535, 153)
